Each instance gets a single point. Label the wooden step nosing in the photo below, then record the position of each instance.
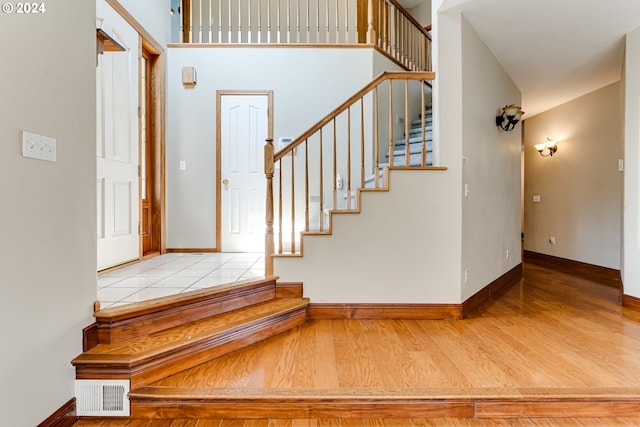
(516, 394)
(220, 337)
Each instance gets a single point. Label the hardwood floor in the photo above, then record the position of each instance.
(551, 331)
(551, 338)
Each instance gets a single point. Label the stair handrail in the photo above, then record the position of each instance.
(382, 77)
(273, 158)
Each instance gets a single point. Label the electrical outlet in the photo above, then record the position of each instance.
(552, 240)
(507, 254)
(466, 275)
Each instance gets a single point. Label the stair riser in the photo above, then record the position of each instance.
(337, 407)
(121, 330)
(414, 160)
(324, 410)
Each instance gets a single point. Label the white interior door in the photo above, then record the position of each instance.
(244, 128)
(117, 154)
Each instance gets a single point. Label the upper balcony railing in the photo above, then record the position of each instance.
(384, 24)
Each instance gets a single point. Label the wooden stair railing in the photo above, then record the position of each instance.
(384, 24)
(322, 169)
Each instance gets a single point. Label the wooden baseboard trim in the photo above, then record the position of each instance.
(384, 311)
(288, 289)
(190, 250)
(502, 283)
(606, 276)
(631, 302)
(321, 311)
(65, 416)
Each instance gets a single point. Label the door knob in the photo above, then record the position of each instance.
(225, 181)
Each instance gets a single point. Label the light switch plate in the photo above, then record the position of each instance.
(39, 147)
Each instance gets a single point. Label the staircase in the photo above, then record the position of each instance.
(415, 142)
(145, 342)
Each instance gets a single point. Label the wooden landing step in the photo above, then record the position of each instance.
(191, 338)
(142, 318)
(175, 402)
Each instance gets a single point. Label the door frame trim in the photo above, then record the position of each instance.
(157, 125)
(219, 95)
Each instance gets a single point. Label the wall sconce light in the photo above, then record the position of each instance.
(509, 117)
(549, 145)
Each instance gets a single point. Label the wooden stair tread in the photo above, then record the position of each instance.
(136, 350)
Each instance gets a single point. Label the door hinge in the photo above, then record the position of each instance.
(139, 228)
(139, 171)
(139, 112)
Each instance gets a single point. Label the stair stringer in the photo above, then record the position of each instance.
(380, 255)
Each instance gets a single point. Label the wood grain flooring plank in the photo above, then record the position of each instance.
(210, 423)
(160, 423)
(185, 423)
(232, 423)
(436, 367)
(352, 422)
(283, 369)
(545, 339)
(478, 367)
(348, 375)
(364, 361)
(411, 376)
(326, 375)
(305, 367)
(385, 356)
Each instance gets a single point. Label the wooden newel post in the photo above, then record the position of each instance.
(269, 243)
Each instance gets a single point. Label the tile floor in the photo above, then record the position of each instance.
(175, 273)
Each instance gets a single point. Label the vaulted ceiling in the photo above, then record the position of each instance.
(554, 50)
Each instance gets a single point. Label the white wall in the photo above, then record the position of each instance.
(307, 84)
(470, 87)
(422, 12)
(631, 266)
(490, 168)
(397, 250)
(48, 227)
(580, 187)
(153, 15)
